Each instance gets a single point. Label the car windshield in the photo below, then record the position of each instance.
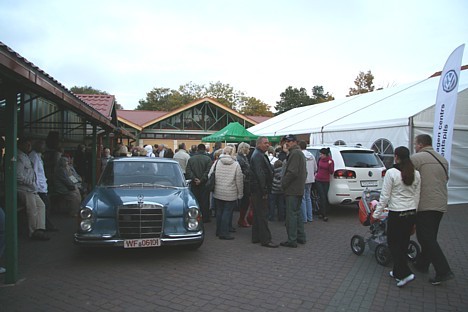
(140, 173)
(361, 159)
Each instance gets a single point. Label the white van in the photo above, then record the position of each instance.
(356, 169)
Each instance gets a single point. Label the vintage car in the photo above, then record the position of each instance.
(140, 202)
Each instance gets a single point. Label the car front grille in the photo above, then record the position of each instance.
(140, 221)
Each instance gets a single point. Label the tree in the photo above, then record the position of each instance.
(255, 107)
(158, 99)
(364, 83)
(91, 90)
(293, 97)
(87, 90)
(166, 99)
(320, 96)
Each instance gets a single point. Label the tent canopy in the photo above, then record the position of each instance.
(391, 107)
(233, 132)
(382, 120)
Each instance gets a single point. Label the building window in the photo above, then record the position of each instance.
(384, 149)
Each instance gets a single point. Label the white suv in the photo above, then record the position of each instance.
(356, 169)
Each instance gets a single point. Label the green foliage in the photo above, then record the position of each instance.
(319, 95)
(255, 107)
(293, 97)
(165, 99)
(87, 90)
(161, 99)
(364, 83)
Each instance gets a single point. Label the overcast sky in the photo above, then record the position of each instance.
(127, 48)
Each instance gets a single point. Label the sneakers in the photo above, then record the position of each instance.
(391, 274)
(2, 270)
(437, 280)
(406, 280)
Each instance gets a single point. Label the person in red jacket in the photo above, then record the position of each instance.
(326, 167)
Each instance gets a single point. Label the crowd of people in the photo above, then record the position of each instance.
(262, 182)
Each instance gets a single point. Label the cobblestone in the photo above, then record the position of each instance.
(323, 275)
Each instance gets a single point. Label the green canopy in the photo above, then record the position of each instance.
(233, 132)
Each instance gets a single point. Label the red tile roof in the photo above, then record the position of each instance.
(259, 119)
(101, 102)
(139, 117)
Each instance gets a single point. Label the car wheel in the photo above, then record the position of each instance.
(413, 250)
(382, 254)
(315, 201)
(357, 244)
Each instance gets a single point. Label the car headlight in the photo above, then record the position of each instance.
(86, 213)
(192, 224)
(86, 225)
(193, 218)
(193, 213)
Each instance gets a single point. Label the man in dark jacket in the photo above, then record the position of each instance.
(197, 170)
(292, 183)
(262, 178)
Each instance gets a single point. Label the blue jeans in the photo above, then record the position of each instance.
(306, 204)
(224, 216)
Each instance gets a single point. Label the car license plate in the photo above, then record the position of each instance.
(369, 183)
(142, 243)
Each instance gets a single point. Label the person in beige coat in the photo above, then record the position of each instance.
(432, 206)
(229, 188)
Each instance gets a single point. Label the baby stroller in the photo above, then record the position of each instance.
(377, 238)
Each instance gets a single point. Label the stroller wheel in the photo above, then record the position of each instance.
(357, 244)
(382, 254)
(413, 250)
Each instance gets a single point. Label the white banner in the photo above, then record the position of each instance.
(446, 104)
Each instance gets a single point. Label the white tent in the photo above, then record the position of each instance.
(382, 120)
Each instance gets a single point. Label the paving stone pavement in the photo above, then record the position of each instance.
(323, 275)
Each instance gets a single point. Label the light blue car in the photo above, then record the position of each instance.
(140, 202)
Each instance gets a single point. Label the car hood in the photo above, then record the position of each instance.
(105, 200)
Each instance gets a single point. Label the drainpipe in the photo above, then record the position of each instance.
(321, 132)
(11, 209)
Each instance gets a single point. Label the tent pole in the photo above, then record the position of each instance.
(411, 134)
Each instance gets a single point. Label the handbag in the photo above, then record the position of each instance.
(210, 184)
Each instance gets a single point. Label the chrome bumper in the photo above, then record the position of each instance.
(101, 240)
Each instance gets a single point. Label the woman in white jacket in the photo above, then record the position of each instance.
(229, 187)
(400, 195)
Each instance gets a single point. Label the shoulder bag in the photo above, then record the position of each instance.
(210, 184)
